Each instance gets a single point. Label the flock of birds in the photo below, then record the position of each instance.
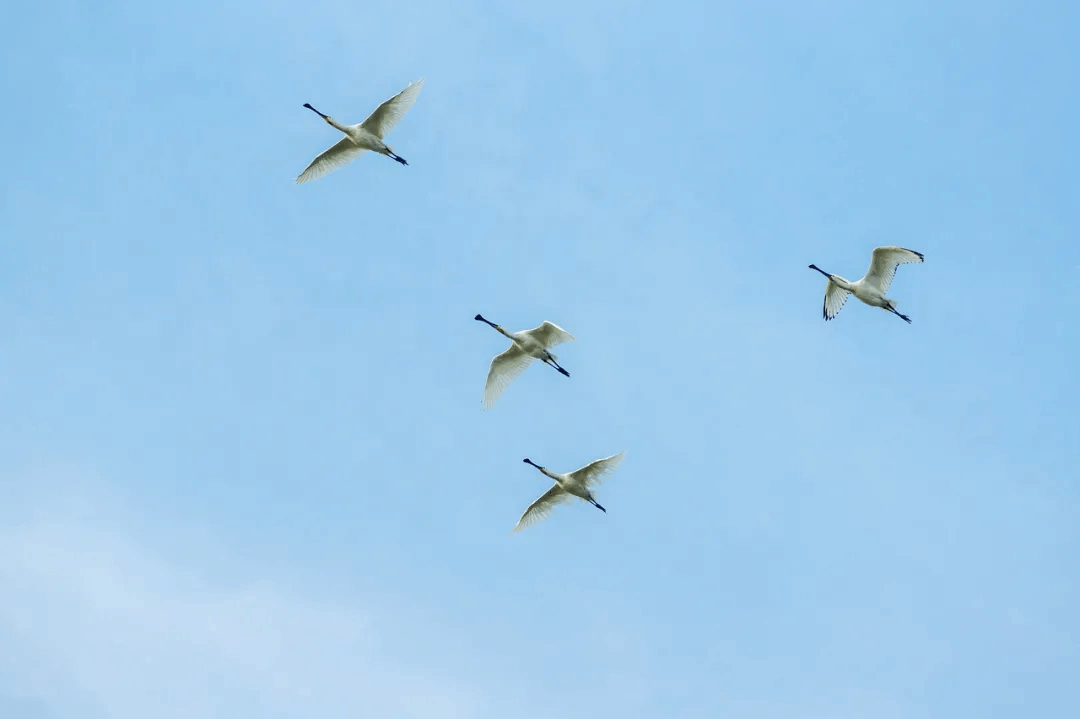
(529, 345)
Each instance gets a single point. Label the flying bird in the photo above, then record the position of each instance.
(368, 135)
(872, 287)
(578, 483)
(526, 346)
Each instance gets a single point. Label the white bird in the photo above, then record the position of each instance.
(368, 135)
(578, 483)
(527, 346)
(872, 287)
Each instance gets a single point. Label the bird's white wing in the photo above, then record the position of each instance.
(340, 154)
(542, 507)
(883, 265)
(386, 115)
(593, 473)
(550, 334)
(504, 369)
(835, 297)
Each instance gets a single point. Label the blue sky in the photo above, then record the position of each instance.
(246, 472)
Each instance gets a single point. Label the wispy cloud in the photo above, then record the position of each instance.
(101, 626)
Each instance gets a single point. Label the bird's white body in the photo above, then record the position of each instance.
(578, 483)
(367, 135)
(871, 288)
(365, 139)
(531, 346)
(863, 291)
(525, 346)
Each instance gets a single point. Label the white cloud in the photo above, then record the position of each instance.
(96, 625)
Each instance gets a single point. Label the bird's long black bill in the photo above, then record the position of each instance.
(308, 106)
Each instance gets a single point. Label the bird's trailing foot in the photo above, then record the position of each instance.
(597, 505)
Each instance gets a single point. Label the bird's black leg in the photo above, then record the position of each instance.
(394, 156)
(597, 505)
(905, 318)
(555, 364)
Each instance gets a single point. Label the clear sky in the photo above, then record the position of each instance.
(245, 471)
